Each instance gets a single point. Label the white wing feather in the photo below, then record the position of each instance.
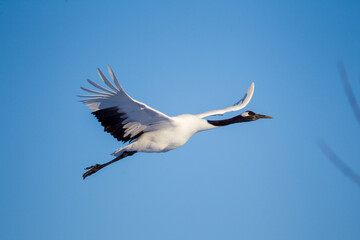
(138, 115)
(239, 105)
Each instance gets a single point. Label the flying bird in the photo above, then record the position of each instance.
(146, 129)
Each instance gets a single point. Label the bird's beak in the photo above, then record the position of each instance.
(263, 116)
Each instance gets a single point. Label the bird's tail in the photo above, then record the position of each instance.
(118, 152)
(129, 148)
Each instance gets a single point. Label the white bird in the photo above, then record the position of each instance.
(147, 129)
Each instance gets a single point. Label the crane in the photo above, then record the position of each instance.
(146, 129)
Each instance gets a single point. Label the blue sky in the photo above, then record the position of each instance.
(258, 180)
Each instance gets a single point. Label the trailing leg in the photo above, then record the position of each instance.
(93, 169)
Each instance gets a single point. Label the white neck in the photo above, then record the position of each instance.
(193, 123)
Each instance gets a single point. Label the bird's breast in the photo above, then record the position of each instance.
(171, 136)
(164, 140)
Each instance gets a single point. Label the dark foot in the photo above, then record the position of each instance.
(92, 170)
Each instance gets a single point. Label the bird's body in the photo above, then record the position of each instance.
(147, 129)
(170, 137)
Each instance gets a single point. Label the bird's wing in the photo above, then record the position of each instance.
(237, 106)
(120, 115)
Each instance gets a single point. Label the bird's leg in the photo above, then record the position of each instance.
(93, 169)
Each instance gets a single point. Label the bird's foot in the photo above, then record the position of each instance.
(91, 170)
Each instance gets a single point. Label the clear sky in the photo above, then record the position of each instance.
(261, 180)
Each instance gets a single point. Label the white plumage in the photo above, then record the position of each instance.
(147, 129)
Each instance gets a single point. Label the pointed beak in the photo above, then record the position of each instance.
(263, 116)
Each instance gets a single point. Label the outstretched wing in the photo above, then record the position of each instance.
(237, 106)
(120, 115)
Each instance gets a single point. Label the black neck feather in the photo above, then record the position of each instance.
(237, 119)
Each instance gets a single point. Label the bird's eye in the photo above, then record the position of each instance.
(250, 113)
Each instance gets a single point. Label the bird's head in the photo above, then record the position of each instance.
(248, 116)
(244, 117)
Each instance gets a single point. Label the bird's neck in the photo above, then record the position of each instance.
(220, 123)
